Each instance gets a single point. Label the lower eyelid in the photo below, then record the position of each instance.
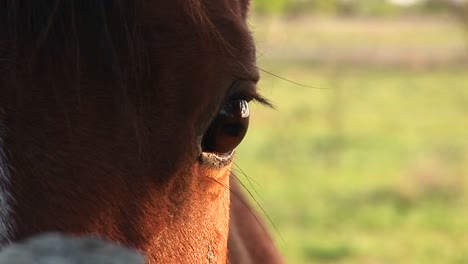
(217, 160)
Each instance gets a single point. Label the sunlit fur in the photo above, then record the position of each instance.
(106, 103)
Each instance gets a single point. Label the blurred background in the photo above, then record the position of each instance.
(370, 163)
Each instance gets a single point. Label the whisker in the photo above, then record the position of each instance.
(239, 169)
(286, 79)
(249, 179)
(262, 210)
(260, 54)
(290, 81)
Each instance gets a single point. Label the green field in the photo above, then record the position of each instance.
(373, 169)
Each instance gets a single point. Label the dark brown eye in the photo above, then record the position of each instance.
(228, 128)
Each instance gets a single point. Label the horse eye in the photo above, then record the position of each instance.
(228, 128)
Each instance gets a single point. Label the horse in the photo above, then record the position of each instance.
(120, 119)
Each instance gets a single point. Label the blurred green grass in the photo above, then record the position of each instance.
(372, 169)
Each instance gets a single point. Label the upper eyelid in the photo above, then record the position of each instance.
(241, 87)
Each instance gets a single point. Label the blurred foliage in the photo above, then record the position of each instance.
(272, 7)
(393, 189)
(379, 8)
(373, 168)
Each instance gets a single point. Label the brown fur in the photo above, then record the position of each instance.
(105, 103)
